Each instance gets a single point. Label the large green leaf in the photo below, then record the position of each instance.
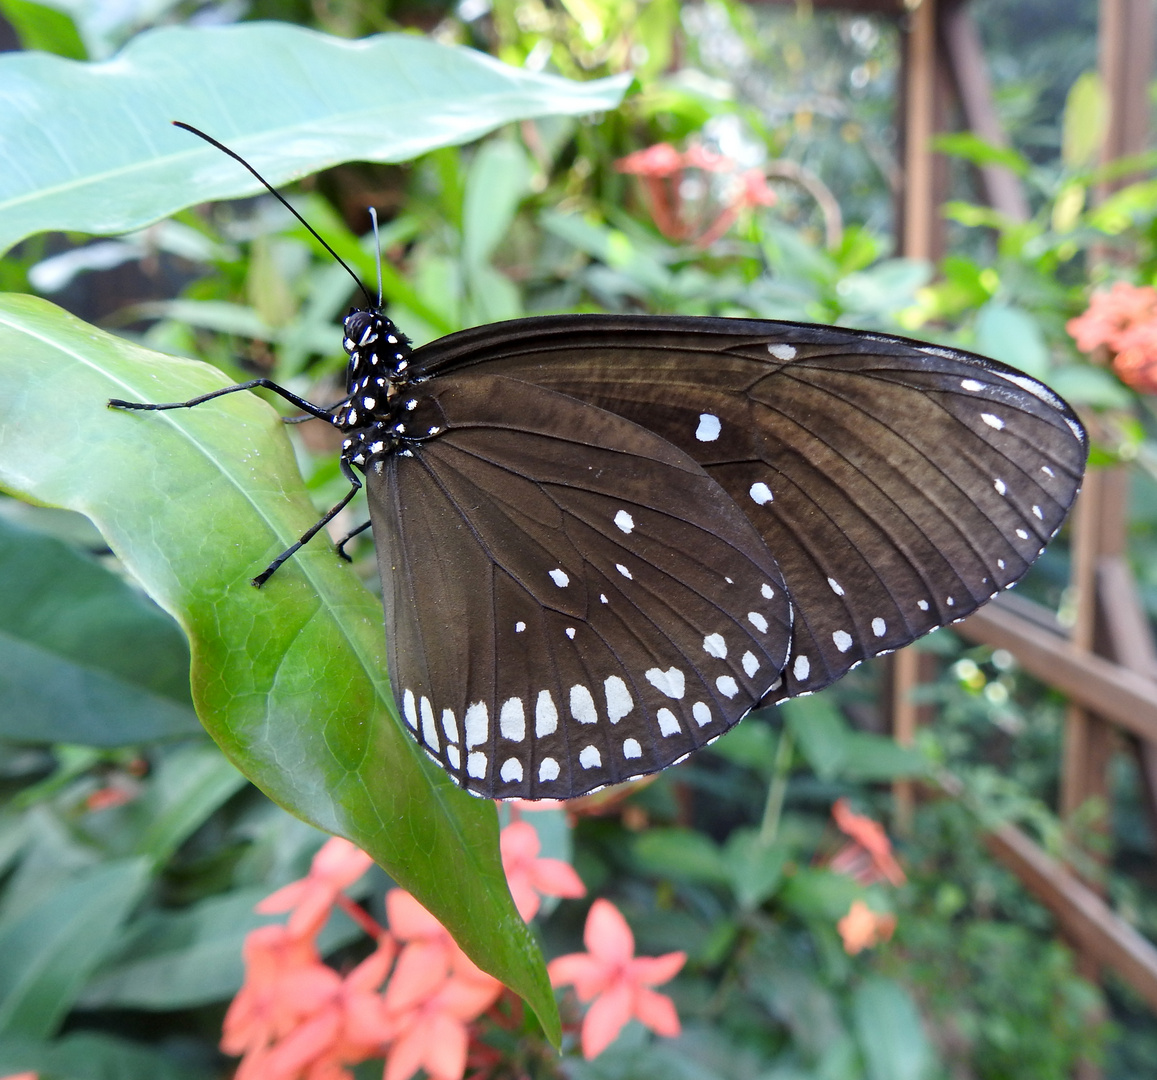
(291, 679)
(88, 147)
(84, 657)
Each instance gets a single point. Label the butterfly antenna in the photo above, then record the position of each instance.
(281, 199)
(378, 246)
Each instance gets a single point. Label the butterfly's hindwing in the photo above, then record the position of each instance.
(572, 600)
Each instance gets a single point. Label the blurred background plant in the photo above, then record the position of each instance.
(133, 853)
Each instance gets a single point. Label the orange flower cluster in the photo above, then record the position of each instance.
(663, 170)
(1124, 320)
(414, 998)
(867, 858)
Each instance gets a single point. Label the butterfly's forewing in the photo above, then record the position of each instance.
(897, 485)
(572, 600)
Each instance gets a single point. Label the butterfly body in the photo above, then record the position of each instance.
(604, 539)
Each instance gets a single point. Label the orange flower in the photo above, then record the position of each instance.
(868, 858)
(611, 973)
(1112, 315)
(20, 1076)
(528, 875)
(862, 928)
(337, 865)
(1136, 362)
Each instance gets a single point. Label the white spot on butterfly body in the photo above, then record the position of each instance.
(477, 725)
(714, 645)
(1000, 486)
(702, 713)
(519, 626)
(782, 351)
(429, 729)
(623, 570)
(512, 720)
(582, 705)
(410, 709)
(547, 769)
(992, 421)
(758, 621)
(843, 640)
(560, 578)
(727, 686)
(709, 428)
(476, 765)
(624, 521)
(619, 700)
(837, 588)
(511, 771)
(750, 664)
(670, 682)
(971, 384)
(632, 749)
(879, 627)
(545, 715)
(761, 493)
(369, 402)
(668, 722)
(802, 667)
(590, 758)
(450, 725)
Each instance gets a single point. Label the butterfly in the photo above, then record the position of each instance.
(604, 539)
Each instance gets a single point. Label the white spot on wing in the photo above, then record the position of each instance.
(632, 749)
(429, 728)
(1000, 486)
(623, 570)
(1022, 534)
(590, 758)
(702, 713)
(512, 720)
(782, 351)
(519, 627)
(992, 421)
(767, 591)
(624, 521)
(545, 715)
(837, 588)
(714, 645)
(548, 769)
(1047, 471)
(477, 725)
(670, 682)
(570, 632)
(450, 725)
(1036, 512)
(582, 705)
(758, 621)
(879, 627)
(750, 664)
(453, 756)
(761, 493)
(971, 384)
(668, 722)
(922, 605)
(708, 429)
(802, 667)
(560, 578)
(410, 709)
(476, 765)
(619, 701)
(727, 686)
(511, 771)
(843, 640)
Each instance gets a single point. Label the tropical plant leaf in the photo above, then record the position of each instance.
(290, 680)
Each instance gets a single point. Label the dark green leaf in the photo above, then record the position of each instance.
(85, 1056)
(97, 153)
(889, 1032)
(84, 657)
(754, 867)
(291, 679)
(680, 853)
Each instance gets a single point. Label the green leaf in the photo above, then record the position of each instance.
(1121, 209)
(1085, 121)
(973, 148)
(681, 854)
(97, 154)
(291, 679)
(498, 180)
(889, 1031)
(84, 657)
(1011, 334)
(87, 1056)
(43, 28)
(820, 732)
(48, 952)
(1083, 384)
(755, 869)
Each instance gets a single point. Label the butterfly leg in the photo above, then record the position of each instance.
(348, 537)
(267, 384)
(309, 534)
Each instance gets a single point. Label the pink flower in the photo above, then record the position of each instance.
(1112, 315)
(20, 1076)
(611, 973)
(868, 857)
(862, 928)
(337, 865)
(528, 875)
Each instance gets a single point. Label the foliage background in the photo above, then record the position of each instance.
(133, 852)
